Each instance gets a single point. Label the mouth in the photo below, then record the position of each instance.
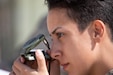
(65, 66)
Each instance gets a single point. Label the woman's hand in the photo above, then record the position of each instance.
(55, 66)
(21, 69)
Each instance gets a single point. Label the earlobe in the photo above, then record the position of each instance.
(98, 30)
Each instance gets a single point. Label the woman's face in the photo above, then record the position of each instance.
(70, 47)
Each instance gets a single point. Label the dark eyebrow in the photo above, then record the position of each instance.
(54, 31)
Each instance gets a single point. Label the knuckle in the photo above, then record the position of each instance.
(14, 63)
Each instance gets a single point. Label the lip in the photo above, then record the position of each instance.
(65, 66)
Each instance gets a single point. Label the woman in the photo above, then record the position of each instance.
(82, 35)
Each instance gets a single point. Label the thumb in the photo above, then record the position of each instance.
(40, 61)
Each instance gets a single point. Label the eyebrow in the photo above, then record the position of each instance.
(54, 31)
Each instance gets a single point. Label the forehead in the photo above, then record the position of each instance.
(57, 18)
(55, 14)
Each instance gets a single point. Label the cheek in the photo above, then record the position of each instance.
(79, 55)
(79, 50)
(79, 47)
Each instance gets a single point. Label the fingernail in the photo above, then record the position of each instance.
(38, 52)
(22, 60)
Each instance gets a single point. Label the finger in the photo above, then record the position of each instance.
(12, 73)
(55, 68)
(20, 66)
(48, 51)
(15, 70)
(22, 59)
(40, 61)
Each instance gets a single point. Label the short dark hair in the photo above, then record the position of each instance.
(85, 11)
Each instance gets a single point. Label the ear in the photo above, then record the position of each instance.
(98, 29)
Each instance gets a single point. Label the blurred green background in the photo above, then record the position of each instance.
(19, 21)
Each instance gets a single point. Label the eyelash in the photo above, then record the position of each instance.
(59, 35)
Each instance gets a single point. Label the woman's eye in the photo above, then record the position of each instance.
(59, 35)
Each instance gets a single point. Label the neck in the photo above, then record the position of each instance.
(105, 60)
(98, 69)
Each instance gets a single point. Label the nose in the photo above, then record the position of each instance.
(55, 51)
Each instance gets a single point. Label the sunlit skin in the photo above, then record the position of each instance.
(76, 51)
